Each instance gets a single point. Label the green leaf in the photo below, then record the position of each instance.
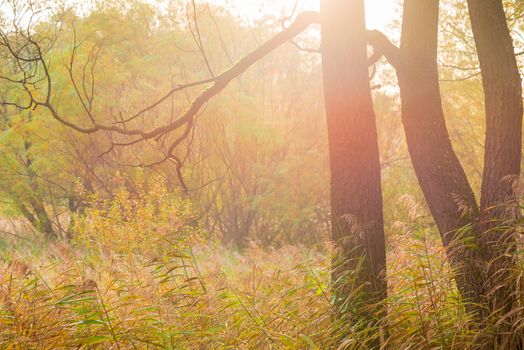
(308, 341)
(96, 339)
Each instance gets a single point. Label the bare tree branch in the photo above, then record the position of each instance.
(219, 83)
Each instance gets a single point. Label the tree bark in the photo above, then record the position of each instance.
(503, 99)
(446, 189)
(356, 197)
(44, 223)
(480, 242)
(502, 158)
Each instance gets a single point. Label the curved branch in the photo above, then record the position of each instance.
(219, 83)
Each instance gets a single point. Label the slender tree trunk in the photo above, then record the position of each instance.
(42, 221)
(499, 196)
(37, 216)
(443, 181)
(356, 198)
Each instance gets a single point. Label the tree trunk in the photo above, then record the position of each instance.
(443, 181)
(42, 221)
(499, 195)
(356, 198)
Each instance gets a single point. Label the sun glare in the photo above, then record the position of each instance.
(379, 13)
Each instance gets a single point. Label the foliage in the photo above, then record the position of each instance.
(257, 142)
(149, 219)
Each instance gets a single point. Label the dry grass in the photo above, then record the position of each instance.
(193, 298)
(177, 289)
(210, 298)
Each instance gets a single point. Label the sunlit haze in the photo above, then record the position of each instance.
(379, 13)
(261, 174)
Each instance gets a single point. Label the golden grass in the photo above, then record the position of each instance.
(154, 281)
(207, 297)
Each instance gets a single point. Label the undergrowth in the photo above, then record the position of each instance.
(139, 274)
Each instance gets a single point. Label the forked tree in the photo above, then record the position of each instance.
(480, 240)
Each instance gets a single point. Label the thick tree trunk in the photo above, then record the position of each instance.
(443, 181)
(503, 98)
(499, 196)
(356, 198)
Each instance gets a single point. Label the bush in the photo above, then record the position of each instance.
(149, 220)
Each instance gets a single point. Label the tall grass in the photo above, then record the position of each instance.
(140, 275)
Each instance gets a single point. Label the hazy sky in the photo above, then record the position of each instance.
(380, 13)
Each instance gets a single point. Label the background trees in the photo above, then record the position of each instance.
(214, 167)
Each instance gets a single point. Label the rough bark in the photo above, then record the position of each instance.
(499, 195)
(356, 198)
(503, 99)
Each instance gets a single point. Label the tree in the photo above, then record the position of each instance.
(499, 202)
(476, 250)
(442, 179)
(469, 233)
(356, 197)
